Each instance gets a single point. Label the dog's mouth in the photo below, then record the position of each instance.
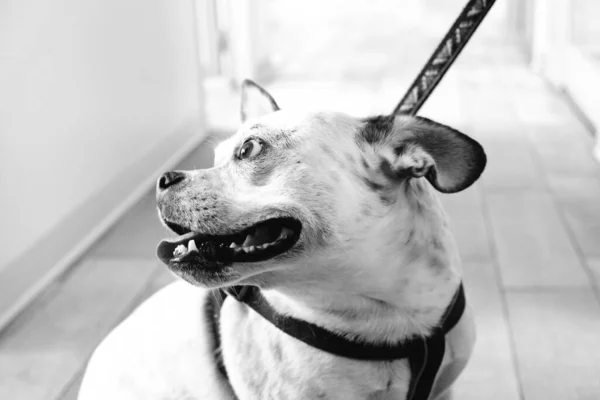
(259, 242)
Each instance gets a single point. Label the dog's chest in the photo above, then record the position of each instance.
(265, 363)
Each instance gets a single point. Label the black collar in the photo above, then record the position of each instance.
(424, 354)
(331, 342)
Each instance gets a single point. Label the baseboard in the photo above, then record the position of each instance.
(22, 280)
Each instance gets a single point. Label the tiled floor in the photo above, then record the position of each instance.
(529, 231)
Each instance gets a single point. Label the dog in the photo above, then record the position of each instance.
(336, 221)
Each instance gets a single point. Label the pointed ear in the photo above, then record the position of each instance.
(256, 101)
(418, 147)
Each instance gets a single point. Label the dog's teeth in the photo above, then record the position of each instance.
(233, 245)
(248, 240)
(180, 250)
(249, 249)
(192, 245)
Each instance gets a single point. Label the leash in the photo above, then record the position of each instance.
(444, 56)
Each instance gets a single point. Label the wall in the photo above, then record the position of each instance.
(89, 89)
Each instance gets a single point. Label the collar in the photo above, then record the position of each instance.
(331, 342)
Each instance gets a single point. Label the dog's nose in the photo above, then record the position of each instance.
(169, 179)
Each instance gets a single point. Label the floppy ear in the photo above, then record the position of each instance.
(450, 160)
(256, 101)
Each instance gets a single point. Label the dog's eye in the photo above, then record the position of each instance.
(251, 148)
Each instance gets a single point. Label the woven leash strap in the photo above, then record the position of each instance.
(443, 57)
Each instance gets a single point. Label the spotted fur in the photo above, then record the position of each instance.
(376, 261)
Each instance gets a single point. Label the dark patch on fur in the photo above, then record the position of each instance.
(284, 138)
(373, 185)
(388, 171)
(436, 263)
(256, 126)
(418, 207)
(280, 395)
(414, 253)
(334, 157)
(366, 210)
(364, 163)
(277, 352)
(386, 198)
(411, 236)
(401, 148)
(327, 150)
(417, 189)
(413, 192)
(437, 243)
(350, 158)
(376, 129)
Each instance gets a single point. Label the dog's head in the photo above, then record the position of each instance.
(301, 196)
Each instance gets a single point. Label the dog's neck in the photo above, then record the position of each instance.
(357, 317)
(404, 288)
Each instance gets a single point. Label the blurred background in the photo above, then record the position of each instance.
(97, 98)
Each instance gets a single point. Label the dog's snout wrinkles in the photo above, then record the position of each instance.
(169, 179)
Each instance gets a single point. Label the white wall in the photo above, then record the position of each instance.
(87, 88)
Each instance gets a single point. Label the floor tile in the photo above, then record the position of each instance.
(46, 347)
(532, 245)
(563, 148)
(509, 165)
(556, 337)
(579, 201)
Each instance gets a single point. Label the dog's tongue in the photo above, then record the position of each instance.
(264, 233)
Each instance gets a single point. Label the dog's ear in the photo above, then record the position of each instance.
(256, 101)
(418, 147)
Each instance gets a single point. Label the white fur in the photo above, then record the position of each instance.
(373, 269)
